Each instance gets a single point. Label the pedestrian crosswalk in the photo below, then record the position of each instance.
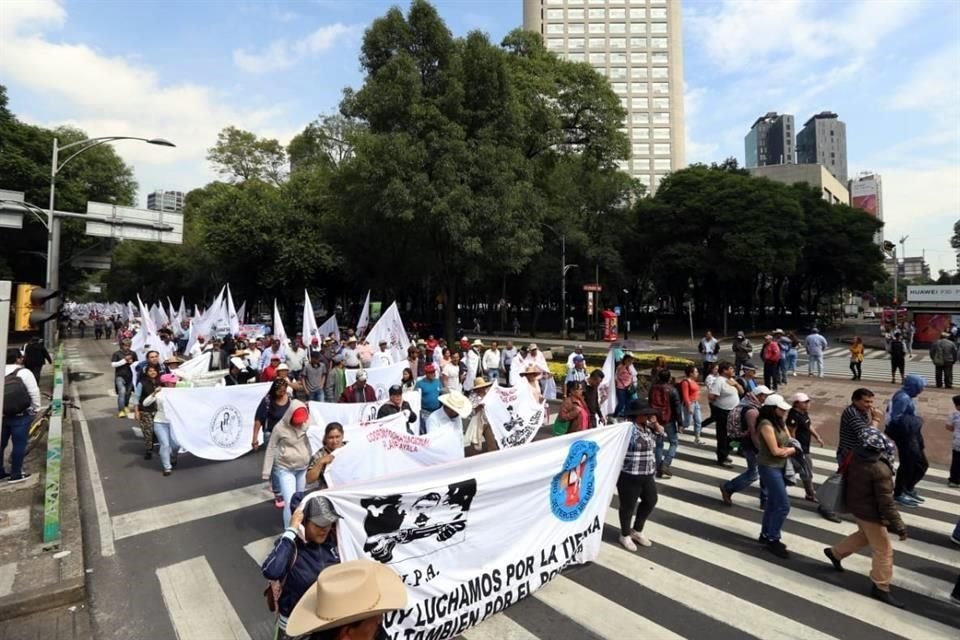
(705, 575)
(875, 366)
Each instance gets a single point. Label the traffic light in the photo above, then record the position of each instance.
(29, 311)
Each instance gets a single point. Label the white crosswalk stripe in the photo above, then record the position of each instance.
(677, 568)
(875, 366)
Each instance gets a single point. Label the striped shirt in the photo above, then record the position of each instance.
(853, 423)
(640, 460)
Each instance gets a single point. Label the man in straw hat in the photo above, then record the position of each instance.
(347, 602)
(454, 407)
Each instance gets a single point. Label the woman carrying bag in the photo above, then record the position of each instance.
(574, 414)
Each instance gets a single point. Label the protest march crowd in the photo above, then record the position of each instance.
(330, 409)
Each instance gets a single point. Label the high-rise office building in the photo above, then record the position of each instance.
(770, 141)
(866, 193)
(823, 140)
(637, 45)
(165, 200)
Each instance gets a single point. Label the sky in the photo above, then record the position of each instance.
(185, 69)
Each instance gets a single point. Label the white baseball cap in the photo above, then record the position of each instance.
(799, 397)
(776, 400)
(762, 390)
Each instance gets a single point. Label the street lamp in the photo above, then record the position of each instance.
(53, 224)
(564, 267)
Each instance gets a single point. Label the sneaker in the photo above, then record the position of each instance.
(627, 543)
(122, 413)
(828, 515)
(955, 540)
(665, 472)
(727, 463)
(905, 501)
(886, 597)
(279, 503)
(173, 461)
(148, 455)
(167, 472)
(914, 496)
(15, 479)
(778, 549)
(726, 497)
(640, 539)
(696, 440)
(833, 558)
(762, 539)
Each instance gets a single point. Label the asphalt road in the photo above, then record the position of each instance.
(176, 557)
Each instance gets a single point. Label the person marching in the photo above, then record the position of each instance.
(144, 413)
(773, 450)
(288, 454)
(637, 486)
(161, 425)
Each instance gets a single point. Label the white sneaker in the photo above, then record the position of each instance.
(628, 543)
(640, 539)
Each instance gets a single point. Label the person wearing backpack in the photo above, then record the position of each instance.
(742, 425)
(770, 354)
(21, 401)
(665, 399)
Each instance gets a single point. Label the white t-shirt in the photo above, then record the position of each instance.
(440, 420)
(381, 359)
(450, 377)
(29, 382)
(727, 396)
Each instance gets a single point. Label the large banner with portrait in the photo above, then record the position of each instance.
(472, 537)
(354, 416)
(513, 414)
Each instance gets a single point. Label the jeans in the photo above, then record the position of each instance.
(815, 365)
(694, 417)
(778, 504)
(632, 489)
(167, 443)
(16, 428)
(316, 396)
(783, 369)
(749, 476)
(290, 481)
(670, 434)
(623, 399)
(123, 393)
(493, 374)
(791, 360)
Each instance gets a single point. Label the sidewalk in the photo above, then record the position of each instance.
(39, 585)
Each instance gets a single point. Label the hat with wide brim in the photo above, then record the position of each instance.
(345, 593)
(531, 370)
(456, 401)
(481, 383)
(477, 343)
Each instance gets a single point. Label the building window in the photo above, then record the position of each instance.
(658, 43)
(657, 1)
(575, 43)
(641, 88)
(617, 27)
(638, 27)
(576, 57)
(618, 58)
(597, 27)
(640, 133)
(575, 27)
(578, 3)
(661, 87)
(555, 14)
(638, 58)
(661, 164)
(574, 14)
(661, 117)
(658, 14)
(658, 27)
(638, 14)
(641, 149)
(625, 102)
(555, 27)
(641, 103)
(617, 72)
(623, 165)
(660, 58)
(644, 179)
(555, 43)
(618, 43)
(638, 73)
(641, 164)
(598, 58)
(598, 43)
(596, 1)
(639, 117)
(660, 72)
(661, 149)
(661, 134)
(619, 87)
(554, 1)
(598, 14)
(661, 103)
(638, 43)
(618, 14)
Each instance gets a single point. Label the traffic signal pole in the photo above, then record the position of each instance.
(53, 247)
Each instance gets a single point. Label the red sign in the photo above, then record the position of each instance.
(592, 287)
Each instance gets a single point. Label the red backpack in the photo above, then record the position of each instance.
(660, 400)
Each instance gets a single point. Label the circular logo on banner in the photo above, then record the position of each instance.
(381, 390)
(225, 427)
(572, 488)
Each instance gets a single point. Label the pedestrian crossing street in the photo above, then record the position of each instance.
(705, 575)
(875, 366)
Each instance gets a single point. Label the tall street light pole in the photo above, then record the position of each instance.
(564, 267)
(53, 223)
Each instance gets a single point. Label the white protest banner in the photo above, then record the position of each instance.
(364, 322)
(328, 327)
(354, 415)
(309, 329)
(513, 414)
(380, 378)
(384, 448)
(473, 537)
(390, 329)
(213, 423)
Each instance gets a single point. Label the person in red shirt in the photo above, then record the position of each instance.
(689, 399)
(269, 373)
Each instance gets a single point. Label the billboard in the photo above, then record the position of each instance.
(865, 195)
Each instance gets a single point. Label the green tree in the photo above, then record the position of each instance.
(240, 155)
(327, 140)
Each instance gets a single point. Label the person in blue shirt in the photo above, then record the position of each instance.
(296, 561)
(815, 344)
(429, 386)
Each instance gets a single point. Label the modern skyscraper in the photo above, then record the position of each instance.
(770, 141)
(823, 140)
(866, 193)
(165, 201)
(637, 45)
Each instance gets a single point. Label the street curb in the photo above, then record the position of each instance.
(71, 587)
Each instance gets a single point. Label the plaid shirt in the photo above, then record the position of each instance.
(640, 460)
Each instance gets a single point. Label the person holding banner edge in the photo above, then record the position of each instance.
(637, 485)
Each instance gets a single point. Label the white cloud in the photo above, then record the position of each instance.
(113, 95)
(283, 54)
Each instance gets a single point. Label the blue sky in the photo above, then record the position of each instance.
(184, 69)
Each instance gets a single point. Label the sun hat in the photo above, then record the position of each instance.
(283, 367)
(799, 397)
(532, 346)
(477, 343)
(776, 400)
(456, 401)
(319, 510)
(345, 593)
(531, 370)
(481, 383)
(352, 339)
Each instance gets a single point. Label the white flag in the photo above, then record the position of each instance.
(278, 331)
(232, 316)
(364, 321)
(309, 320)
(328, 327)
(242, 312)
(390, 328)
(213, 423)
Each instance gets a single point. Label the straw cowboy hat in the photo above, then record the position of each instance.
(531, 370)
(456, 401)
(345, 593)
(481, 383)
